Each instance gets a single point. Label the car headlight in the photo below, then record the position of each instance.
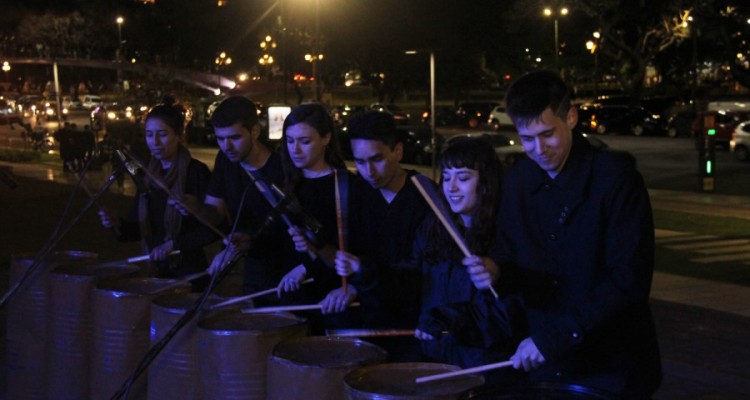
(111, 115)
(50, 111)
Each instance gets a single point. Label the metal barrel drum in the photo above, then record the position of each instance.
(122, 316)
(233, 348)
(397, 381)
(314, 367)
(538, 391)
(27, 322)
(70, 326)
(175, 373)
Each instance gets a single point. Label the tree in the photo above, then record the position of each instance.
(635, 32)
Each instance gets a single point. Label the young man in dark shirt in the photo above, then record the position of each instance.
(386, 213)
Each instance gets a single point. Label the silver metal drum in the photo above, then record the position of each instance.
(314, 367)
(175, 373)
(70, 326)
(27, 322)
(233, 348)
(122, 317)
(397, 381)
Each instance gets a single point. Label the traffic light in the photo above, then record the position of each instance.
(707, 153)
(711, 132)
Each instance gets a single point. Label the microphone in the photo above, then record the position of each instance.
(289, 206)
(131, 169)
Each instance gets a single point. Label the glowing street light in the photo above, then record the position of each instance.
(549, 12)
(6, 69)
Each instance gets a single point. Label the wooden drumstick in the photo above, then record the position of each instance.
(433, 201)
(251, 296)
(461, 372)
(339, 222)
(135, 259)
(369, 332)
(287, 308)
(190, 209)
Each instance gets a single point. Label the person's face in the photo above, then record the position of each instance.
(306, 146)
(460, 188)
(377, 163)
(235, 141)
(161, 140)
(548, 139)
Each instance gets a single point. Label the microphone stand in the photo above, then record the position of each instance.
(54, 240)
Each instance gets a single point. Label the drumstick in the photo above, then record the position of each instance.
(91, 195)
(467, 371)
(250, 296)
(369, 332)
(158, 181)
(135, 259)
(339, 223)
(433, 201)
(180, 282)
(287, 308)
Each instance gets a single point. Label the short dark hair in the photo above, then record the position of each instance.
(235, 109)
(375, 125)
(533, 93)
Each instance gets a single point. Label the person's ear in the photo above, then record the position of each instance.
(398, 149)
(255, 132)
(572, 117)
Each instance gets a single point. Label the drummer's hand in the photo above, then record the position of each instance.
(221, 260)
(161, 252)
(337, 301)
(527, 356)
(482, 271)
(186, 205)
(346, 263)
(109, 218)
(301, 244)
(292, 280)
(238, 241)
(423, 335)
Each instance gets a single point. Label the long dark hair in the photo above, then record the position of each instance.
(315, 115)
(476, 154)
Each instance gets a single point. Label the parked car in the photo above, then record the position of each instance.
(472, 114)
(499, 119)
(446, 115)
(8, 114)
(680, 124)
(604, 119)
(343, 112)
(418, 144)
(90, 101)
(401, 117)
(740, 143)
(724, 122)
(506, 144)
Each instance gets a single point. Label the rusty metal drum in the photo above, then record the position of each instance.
(175, 373)
(397, 381)
(314, 367)
(233, 348)
(122, 317)
(70, 325)
(27, 321)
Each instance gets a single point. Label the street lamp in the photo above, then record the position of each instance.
(120, 20)
(593, 47)
(6, 69)
(221, 60)
(549, 12)
(433, 137)
(267, 45)
(313, 59)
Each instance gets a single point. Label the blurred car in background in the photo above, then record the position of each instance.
(342, 113)
(418, 144)
(499, 119)
(740, 143)
(401, 117)
(608, 119)
(118, 111)
(724, 121)
(680, 124)
(8, 114)
(507, 145)
(446, 115)
(472, 114)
